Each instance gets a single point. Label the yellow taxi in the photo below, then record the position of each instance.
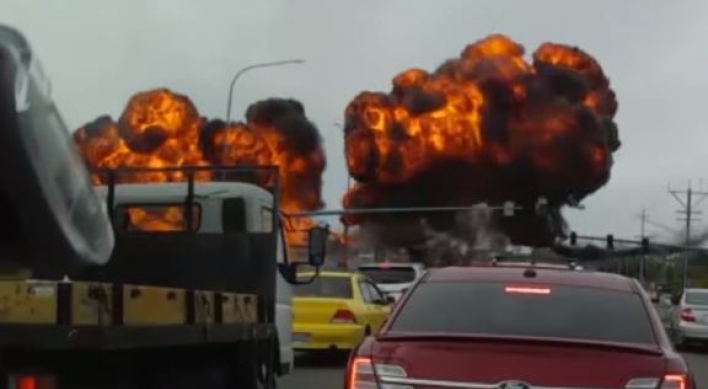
(336, 311)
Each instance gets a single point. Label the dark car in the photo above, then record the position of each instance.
(520, 327)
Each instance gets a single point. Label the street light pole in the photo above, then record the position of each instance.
(345, 256)
(251, 67)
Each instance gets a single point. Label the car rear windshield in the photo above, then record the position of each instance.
(498, 309)
(697, 298)
(325, 287)
(389, 275)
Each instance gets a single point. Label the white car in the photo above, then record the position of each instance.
(393, 278)
(689, 318)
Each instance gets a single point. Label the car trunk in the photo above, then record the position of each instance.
(539, 363)
(314, 310)
(700, 312)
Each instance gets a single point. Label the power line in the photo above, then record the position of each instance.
(689, 200)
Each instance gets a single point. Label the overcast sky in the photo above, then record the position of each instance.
(98, 53)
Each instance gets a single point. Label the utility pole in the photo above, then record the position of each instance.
(642, 261)
(689, 200)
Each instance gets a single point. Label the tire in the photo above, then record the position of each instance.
(244, 376)
(251, 373)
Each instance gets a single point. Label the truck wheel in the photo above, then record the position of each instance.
(244, 376)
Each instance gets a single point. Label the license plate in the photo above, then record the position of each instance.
(301, 337)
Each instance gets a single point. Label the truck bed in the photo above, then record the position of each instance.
(81, 314)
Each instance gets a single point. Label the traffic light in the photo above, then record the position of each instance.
(573, 238)
(610, 242)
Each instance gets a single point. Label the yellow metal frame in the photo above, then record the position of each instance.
(37, 302)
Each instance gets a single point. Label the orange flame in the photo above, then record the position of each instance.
(159, 128)
(485, 127)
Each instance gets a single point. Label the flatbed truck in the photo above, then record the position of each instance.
(91, 298)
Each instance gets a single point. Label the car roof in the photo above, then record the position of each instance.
(535, 265)
(548, 276)
(390, 265)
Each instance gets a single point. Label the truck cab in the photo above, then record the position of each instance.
(218, 207)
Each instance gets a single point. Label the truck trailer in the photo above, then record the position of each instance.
(96, 291)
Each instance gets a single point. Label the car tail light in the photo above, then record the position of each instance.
(687, 315)
(670, 381)
(343, 316)
(363, 374)
(31, 382)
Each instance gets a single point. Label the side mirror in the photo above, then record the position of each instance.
(317, 245)
(390, 300)
(289, 272)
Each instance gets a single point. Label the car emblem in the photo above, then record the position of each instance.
(514, 385)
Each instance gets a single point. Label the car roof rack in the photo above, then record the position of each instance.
(536, 261)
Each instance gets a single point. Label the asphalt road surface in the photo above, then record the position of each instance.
(327, 372)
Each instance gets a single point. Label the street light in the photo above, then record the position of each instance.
(251, 67)
(345, 257)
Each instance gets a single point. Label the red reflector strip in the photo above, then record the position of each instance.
(27, 382)
(31, 382)
(527, 290)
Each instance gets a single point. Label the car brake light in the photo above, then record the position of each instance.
(687, 315)
(527, 290)
(670, 381)
(343, 316)
(363, 374)
(674, 381)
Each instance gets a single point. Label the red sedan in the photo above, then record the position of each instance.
(520, 327)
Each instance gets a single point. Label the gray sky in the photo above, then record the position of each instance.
(98, 53)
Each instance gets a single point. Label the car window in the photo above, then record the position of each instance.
(389, 275)
(156, 217)
(325, 287)
(696, 298)
(375, 292)
(366, 294)
(498, 309)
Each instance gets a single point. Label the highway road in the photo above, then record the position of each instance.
(698, 360)
(328, 373)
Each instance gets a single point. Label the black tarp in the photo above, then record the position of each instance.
(50, 215)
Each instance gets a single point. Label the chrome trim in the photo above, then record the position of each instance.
(643, 383)
(464, 385)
